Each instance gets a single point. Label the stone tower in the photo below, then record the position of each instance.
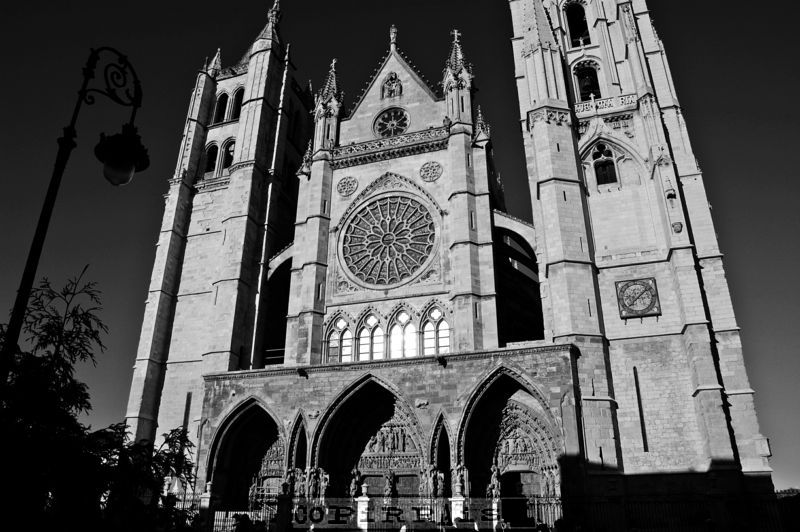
(340, 298)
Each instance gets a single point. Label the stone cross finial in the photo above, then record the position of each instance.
(393, 36)
(456, 35)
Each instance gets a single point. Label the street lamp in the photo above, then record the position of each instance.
(122, 155)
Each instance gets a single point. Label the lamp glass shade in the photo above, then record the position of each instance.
(118, 174)
(122, 155)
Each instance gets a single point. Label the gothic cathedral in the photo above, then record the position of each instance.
(341, 306)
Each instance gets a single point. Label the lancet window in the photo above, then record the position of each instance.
(236, 107)
(403, 339)
(605, 169)
(340, 343)
(220, 109)
(371, 340)
(212, 152)
(227, 154)
(577, 25)
(587, 81)
(435, 333)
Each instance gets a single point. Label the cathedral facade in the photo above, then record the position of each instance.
(340, 299)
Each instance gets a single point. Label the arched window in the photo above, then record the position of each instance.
(227, 154)
(588, 83)
(371, 341)
(435, 334)
(211, 159)
(340, 343)
(403, 338)
(604, 167)
(576, 22)
(220, 109)
(236, 108)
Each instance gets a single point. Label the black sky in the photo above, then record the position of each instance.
(733, 67)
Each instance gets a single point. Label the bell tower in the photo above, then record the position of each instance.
(634, 275)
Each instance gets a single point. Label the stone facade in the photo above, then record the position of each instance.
(585, 355)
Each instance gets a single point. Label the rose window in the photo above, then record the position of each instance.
(388, 240)
(391, 122)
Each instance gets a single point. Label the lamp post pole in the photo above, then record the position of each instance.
(122, 154)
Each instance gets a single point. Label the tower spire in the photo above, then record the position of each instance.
(215, 66)
(331, 88)
(483, 131)
(456, 61)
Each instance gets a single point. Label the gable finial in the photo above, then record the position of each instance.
(456, 35)
(393, 37)
(456, 61)
(331, 88)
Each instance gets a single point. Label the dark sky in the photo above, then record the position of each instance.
(732, 66)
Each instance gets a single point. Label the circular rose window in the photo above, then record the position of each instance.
(391, 122)
(388, 240)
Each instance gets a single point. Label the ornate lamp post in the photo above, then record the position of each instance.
(122, 155)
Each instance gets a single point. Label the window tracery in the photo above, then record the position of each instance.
(403, 340)
(391, 122)
(340, 343)
(435, 333)
(605, 168)
(371, 340)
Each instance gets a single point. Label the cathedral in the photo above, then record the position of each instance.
(342, 309)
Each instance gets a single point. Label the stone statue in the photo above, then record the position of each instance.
(388, 487)
(460, 479)
(300, 483)
(313, 484)
(324, 481)
(423, 481)
(373, 444)
(494, 484)
(440, 484)
(355, 482)
(381, 441)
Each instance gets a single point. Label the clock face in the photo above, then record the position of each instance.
(638, 298)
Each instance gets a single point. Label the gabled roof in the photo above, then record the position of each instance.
(404, 61)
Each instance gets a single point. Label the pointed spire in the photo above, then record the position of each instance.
(393, 37)
(275, 12)
(305, 167)
(215, 66)
(331, 88)
(270, 31)
(483, 131)
(456, 61)
(541, 30)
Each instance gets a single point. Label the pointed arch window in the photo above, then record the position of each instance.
(371, 340)
(220, 109)
(212, 152)
(403, 342)
(587, 81)
(236, 106)
(340, 343)
(227, 154)
(577, 25)
(435, 334)
(605, 169)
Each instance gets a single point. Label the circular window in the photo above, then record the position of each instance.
(388, 240)
(391, 122)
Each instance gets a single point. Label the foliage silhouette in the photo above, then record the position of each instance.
(59, 473)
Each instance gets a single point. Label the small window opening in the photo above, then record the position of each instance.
(236, 108)
(220, 109)
(576, 22)
(588, 82)
(604, 167)
(227, 155)
(211, 159)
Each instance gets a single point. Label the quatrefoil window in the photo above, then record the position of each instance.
(388, 240)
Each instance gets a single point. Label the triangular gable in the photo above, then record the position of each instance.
(383, 70)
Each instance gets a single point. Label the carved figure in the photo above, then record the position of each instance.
(324, 481)
(392, 87)
(300, 483)
(355, 482)
(423, 475)
(381, 442)
(493, 490)
(440, 484)
(373, 443)
(313, 484)
(388, 487)
(460, 479)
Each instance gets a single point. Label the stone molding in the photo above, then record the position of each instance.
(390, 148)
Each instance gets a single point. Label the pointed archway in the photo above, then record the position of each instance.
(247, 457)
(441, 459)
(369, 429)
(509, 442)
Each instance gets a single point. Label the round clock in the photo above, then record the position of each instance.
(638, 297)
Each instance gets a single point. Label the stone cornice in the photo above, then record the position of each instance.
(429, 140)
(361, 366)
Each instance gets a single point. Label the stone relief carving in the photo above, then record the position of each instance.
(388, 240)
(391, 448)
(347, 186)
(392, 87)
(431, 171)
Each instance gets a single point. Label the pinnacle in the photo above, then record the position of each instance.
(216, 62)
(331, 88)
(393, 37)
(456, 61)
